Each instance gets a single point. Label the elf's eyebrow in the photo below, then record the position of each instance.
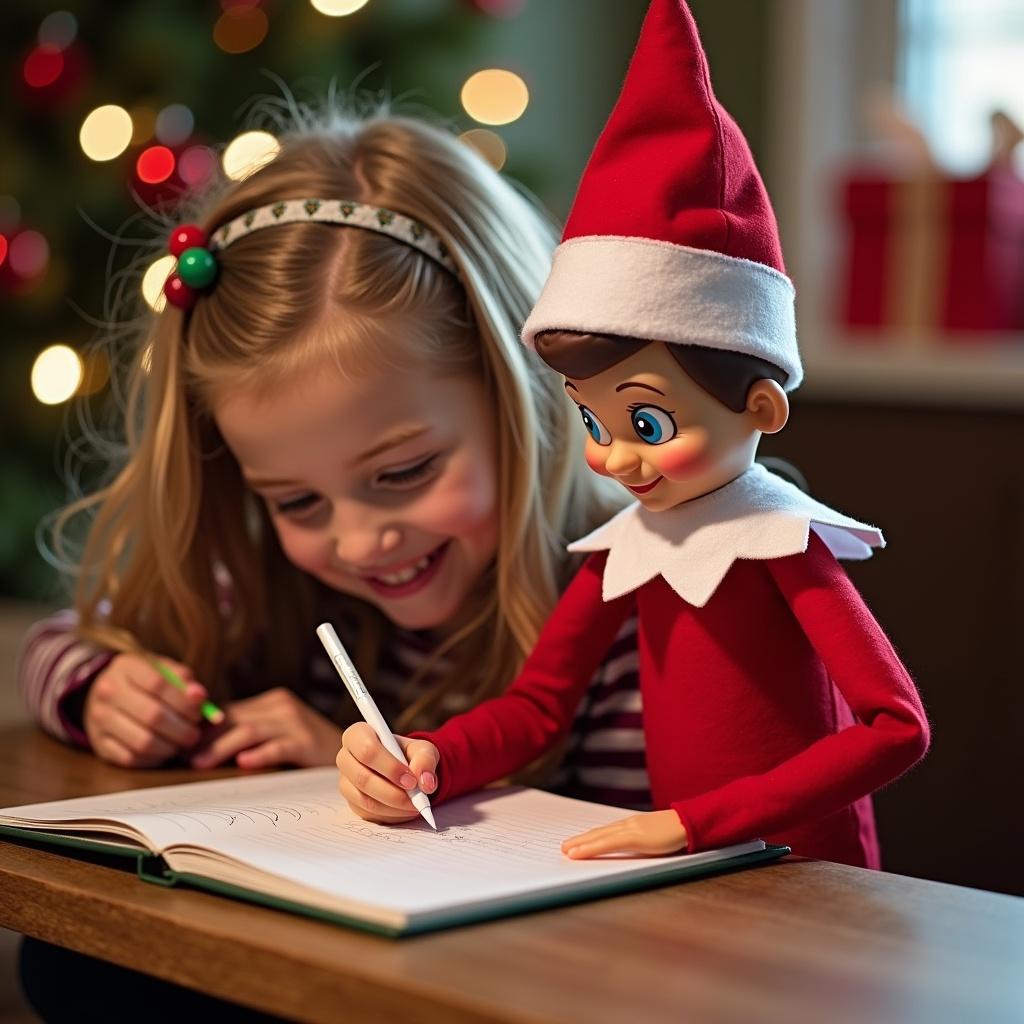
(637, 384)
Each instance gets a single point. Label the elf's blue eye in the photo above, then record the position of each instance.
(653, 425)
(597, 430)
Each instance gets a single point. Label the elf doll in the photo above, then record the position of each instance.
(773, 703)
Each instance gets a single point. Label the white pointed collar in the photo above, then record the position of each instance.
(758, 516)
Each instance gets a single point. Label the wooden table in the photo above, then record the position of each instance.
(798, 941)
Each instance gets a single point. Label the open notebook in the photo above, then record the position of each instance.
(288, 840)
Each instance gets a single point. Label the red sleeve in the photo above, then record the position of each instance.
(890, 733)
(502, 735)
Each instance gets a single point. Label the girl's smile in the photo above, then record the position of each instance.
(408, 577)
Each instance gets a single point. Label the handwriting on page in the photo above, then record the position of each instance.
(295, 825)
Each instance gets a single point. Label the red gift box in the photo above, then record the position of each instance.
(933, 253)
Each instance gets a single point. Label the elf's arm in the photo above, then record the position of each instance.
(502, 735)
(890, 733)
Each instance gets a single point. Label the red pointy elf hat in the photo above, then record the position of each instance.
(671, 236)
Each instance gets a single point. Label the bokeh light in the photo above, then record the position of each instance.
(489, 145)
(154, 165)
(28, 254)
(248, 152)
(56, 374)
(143, 123)
(95, 373)
(106, 132)
(58, 29)
(174, 124)
(196, 165)
(495, 96)
(3, 249)
(43, 66)
(153, 282)
(338, 8)
(240, 29)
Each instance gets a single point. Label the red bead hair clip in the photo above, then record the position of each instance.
(196, 268)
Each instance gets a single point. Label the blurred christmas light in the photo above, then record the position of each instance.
(106, 133)
(95, 373)
(3, 249)
(247, 153)
(196, 165)
(174, 124)
(10, 214)
(338, 8)
(28, 254)
(153, 282)
(490, 146)
(143, 123)
(154, 165)
(56, 374)
(495, 96)
(240, 29)
(58, 29)
(43, 66)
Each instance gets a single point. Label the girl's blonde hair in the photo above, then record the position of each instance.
(176, 520)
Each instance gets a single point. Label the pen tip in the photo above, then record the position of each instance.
(429, 816)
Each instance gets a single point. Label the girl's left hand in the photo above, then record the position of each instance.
(271, 729)
(652, 834)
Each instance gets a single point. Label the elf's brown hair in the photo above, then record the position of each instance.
(726, 376)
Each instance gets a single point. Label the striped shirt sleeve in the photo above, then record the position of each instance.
(55, 665)
(605, 761)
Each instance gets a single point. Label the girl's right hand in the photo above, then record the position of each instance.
(375, 783)
(136, 719)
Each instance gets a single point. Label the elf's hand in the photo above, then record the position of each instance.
(271, 729)
(375, 783)
(652, 834)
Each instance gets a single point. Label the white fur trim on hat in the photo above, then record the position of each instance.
(642, 288)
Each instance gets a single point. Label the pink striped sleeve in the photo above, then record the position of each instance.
(53, 666)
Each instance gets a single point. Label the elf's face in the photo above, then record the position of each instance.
(663, 437)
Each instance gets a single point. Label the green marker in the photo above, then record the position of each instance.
(211, 712)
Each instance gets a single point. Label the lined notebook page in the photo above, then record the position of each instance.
(294, 825)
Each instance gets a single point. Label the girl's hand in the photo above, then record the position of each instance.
(652, 834)
(270, 729)
(375, 783)
(134, 718)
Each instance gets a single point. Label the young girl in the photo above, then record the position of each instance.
(774, 705)
(341, 424)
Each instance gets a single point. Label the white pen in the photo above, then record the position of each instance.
(368, 709)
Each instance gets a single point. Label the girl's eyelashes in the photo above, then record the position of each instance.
(652, 424)
(295, 506)
(407, 475)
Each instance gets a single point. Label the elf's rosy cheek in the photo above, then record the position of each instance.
(596, 457)
(682, 456)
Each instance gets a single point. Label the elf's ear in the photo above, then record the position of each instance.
(768, 406)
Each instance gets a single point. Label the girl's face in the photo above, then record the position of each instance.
(383, 487)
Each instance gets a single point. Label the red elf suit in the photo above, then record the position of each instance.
(773, 703)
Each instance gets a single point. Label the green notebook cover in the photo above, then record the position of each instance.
(152, 868)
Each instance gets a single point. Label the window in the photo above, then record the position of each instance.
(957, 61)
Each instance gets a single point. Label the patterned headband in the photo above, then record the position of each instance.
(196, 269)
